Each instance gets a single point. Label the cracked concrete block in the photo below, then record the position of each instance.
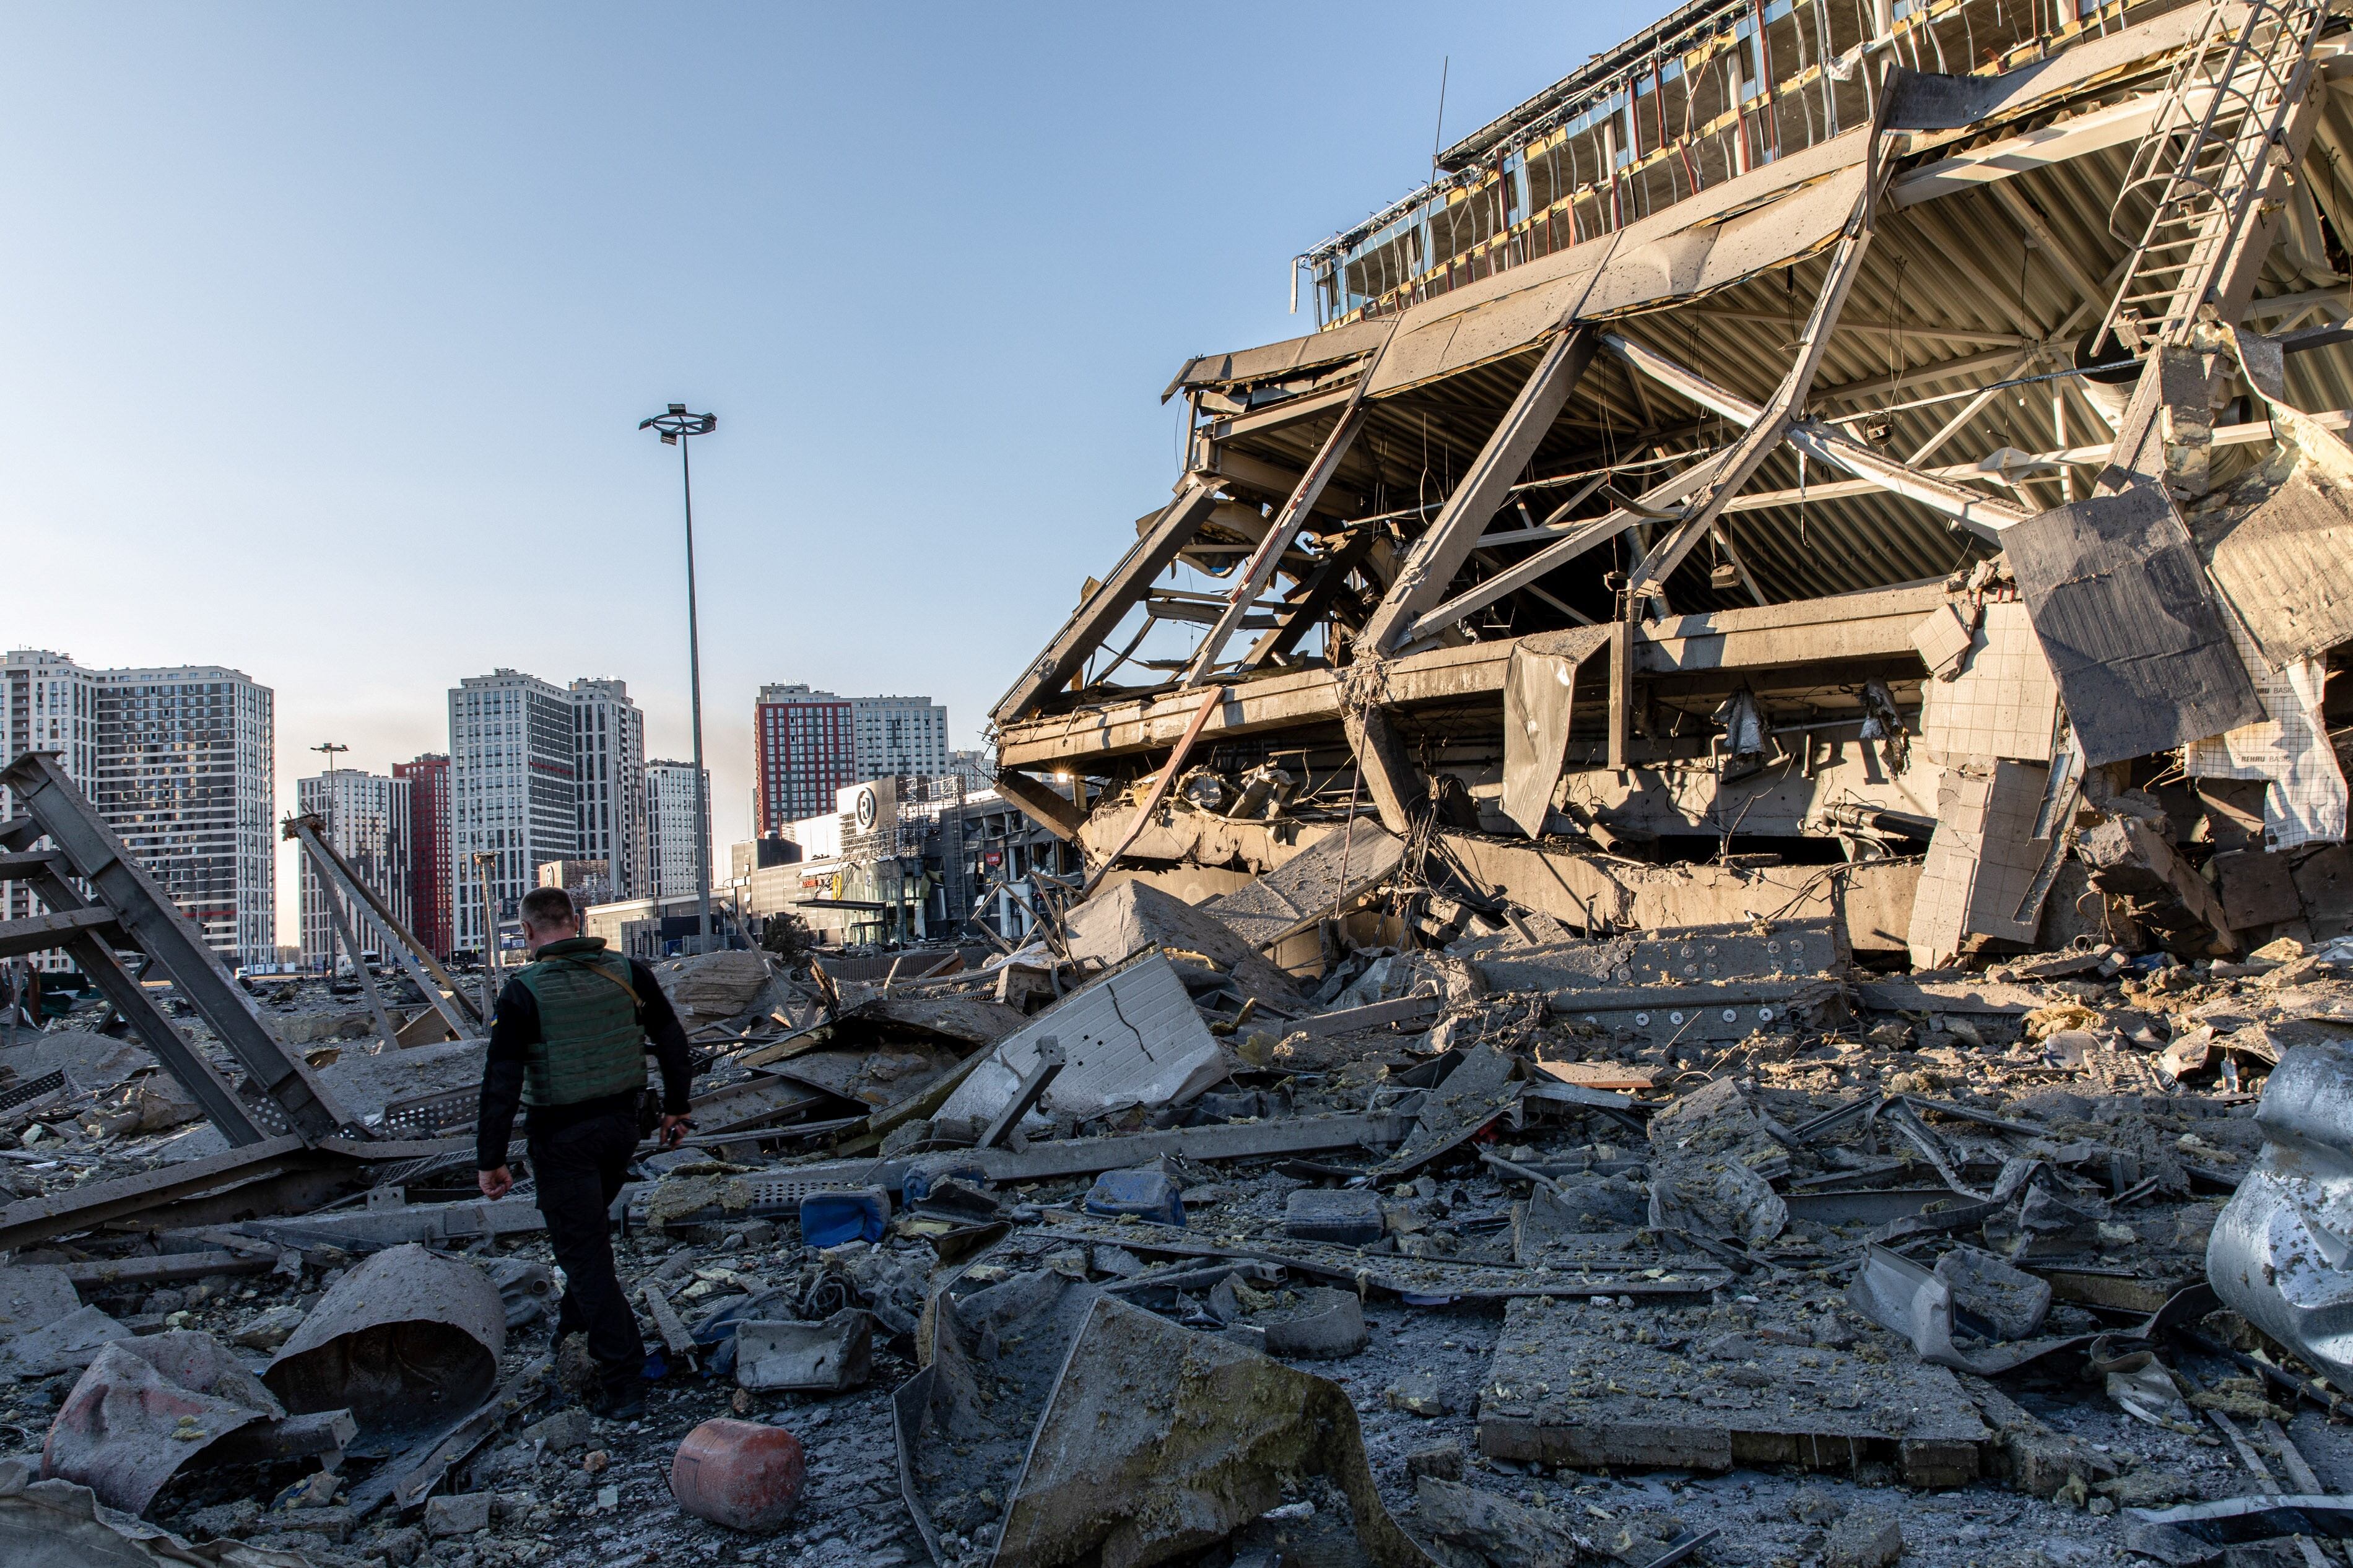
(1420, 1394)
(1444, 1460)
(463, 1514)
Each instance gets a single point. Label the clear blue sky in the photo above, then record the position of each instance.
(329, 327)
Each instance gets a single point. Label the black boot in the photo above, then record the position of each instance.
(621, 1394)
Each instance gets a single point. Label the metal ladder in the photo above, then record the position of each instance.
(2223, 115)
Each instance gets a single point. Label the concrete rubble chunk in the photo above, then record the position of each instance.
(1865, 1538)
(1130, 1038)
(1124, 920)
(1503, 1532)
(2009, 1301)
(465, 1513)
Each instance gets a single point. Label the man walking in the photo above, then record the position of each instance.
(568, 1039)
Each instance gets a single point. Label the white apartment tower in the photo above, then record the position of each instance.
(48, 703)
(513, 792)
(669, 826)
(608, 751)
(179, 763)
(367, 822)
(899, 735)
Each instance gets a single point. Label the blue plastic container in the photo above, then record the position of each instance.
(931, 1170)
(1146, 1194)
(855, 1213)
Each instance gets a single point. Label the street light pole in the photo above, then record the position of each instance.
(675, 425)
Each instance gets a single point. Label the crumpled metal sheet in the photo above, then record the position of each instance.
(963, 1422)
(1903, 1298)
(145, 1407)
(1539, 689)
(408, 1341)
(1480, 1087)
(2281, 1253)
(60, 1524)
(2264, 1517)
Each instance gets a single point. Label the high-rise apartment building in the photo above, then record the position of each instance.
(178, 763)
(810, 743)
(608, 748)
(978, 768)
(368, 821)
(428, 850)
(514, 794)
(900, 736)
(807, 743)
(48, 703)
(670, 826)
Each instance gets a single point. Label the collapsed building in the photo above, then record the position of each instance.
(1773, 448)
(1751, 964)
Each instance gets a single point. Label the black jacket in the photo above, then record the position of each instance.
(514, 1028)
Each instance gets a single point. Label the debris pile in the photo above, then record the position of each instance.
(1740, 998)
(1524, 1247)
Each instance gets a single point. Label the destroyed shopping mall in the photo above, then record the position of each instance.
(1719, 930)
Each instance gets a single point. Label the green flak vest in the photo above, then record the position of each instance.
(590, 1044)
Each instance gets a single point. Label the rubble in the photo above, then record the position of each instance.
(1751, 999)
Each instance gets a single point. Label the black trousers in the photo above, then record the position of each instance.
(580, 1169)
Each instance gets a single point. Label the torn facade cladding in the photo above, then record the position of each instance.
(1677, 508)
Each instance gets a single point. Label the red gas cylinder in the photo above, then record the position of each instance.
(739, 1473)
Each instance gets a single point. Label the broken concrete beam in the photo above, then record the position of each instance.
(164, 1268)
(374, 1228)
(1980, 877)
(1399, 1013)
(2128, 859)
(1658, 1015)
(1303, 889)
(667, 1323)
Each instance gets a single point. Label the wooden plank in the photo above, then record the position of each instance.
(1390, 778)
